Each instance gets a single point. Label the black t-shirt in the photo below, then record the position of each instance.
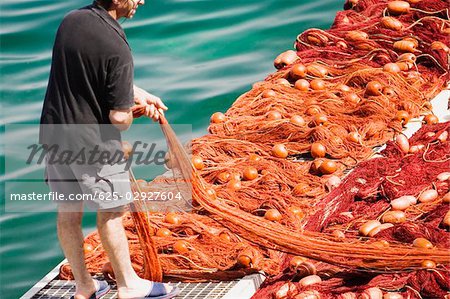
(91, 74)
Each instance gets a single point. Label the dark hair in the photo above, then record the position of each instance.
(104, 3)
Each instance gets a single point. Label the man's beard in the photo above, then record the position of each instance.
(131, 8)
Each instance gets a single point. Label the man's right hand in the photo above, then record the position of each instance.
(138, 110)
(147, 104)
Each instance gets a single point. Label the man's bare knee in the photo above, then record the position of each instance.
(70, 219)
(103, 216)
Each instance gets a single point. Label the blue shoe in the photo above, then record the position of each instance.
(158, 291)
(102, 287)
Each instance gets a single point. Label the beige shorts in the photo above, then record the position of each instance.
(101, 187)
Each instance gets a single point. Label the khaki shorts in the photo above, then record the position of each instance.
(99, 186)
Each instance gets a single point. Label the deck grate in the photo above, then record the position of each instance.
(57, 289)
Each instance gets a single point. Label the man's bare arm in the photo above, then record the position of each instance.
(121, 119)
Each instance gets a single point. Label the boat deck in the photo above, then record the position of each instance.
(50, 287)
(64, 289)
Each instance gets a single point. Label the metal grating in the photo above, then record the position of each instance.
(57, 289)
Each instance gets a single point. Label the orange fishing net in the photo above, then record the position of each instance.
(267, 184)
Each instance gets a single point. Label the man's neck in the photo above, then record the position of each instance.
(113, 14)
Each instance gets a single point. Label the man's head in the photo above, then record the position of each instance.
(121, 8)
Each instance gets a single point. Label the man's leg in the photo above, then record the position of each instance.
(114, 240)
(61, 179)
(71, 240)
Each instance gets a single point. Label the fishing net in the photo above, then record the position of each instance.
(268, 186)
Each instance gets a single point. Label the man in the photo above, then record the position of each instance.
(91, 83)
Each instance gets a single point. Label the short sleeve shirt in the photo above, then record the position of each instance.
(91, 72)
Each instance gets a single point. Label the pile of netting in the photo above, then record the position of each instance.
(267, 190)
(397, 197)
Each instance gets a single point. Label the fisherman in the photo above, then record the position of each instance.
(91, 87)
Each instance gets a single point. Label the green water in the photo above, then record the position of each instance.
(196, 55)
